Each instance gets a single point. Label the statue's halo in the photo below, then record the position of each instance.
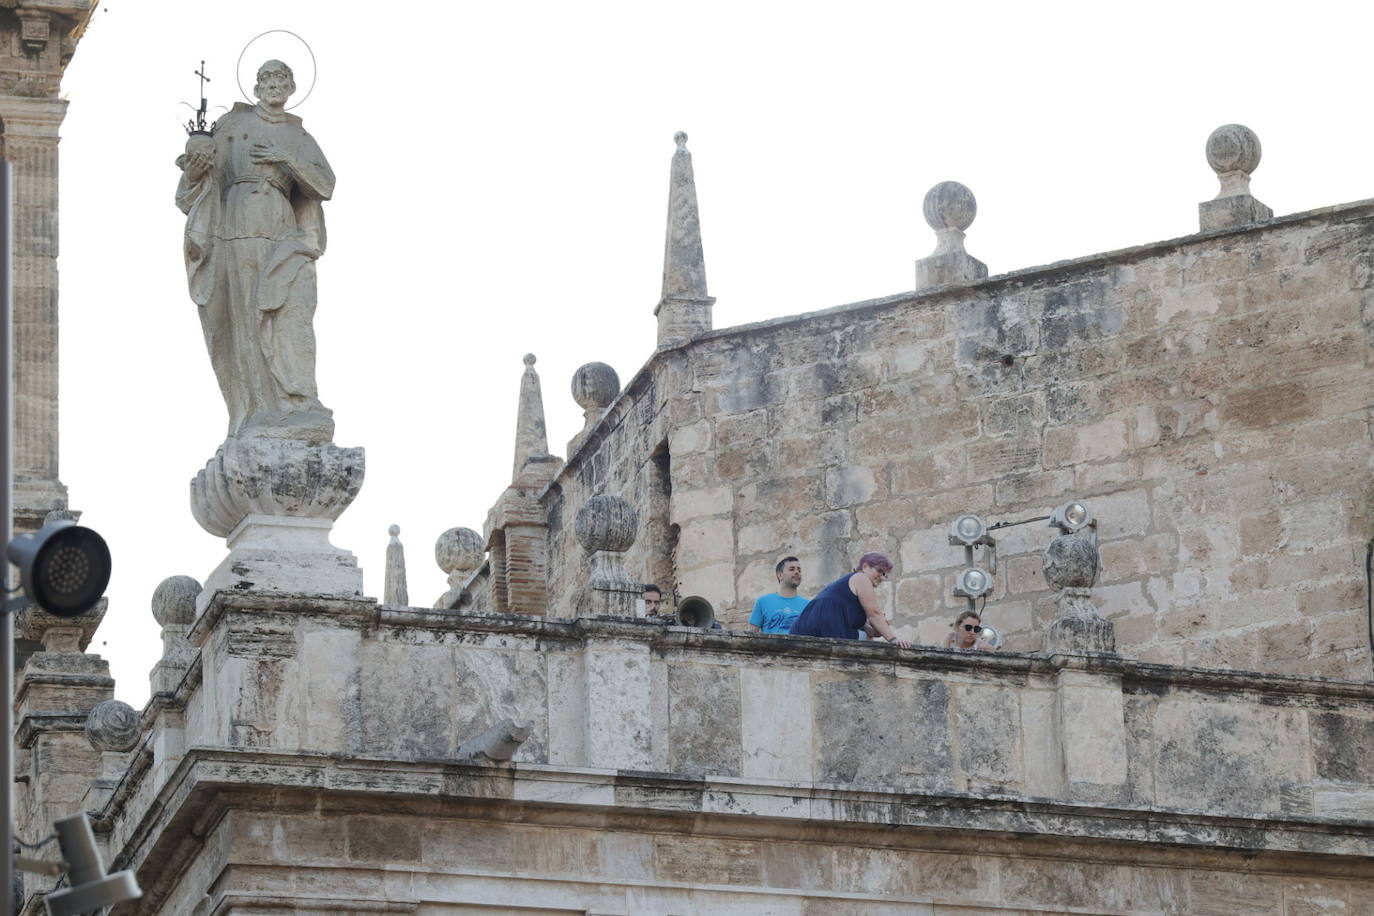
(276, 44)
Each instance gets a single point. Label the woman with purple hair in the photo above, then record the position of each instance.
(850, 604)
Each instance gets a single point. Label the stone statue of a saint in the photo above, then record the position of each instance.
(251, 193)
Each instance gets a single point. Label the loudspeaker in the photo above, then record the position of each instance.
(695, 612)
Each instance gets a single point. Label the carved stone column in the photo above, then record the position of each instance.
(30, 144)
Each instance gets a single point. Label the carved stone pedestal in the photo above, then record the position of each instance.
(274, 501)
(1077, 628)
(1071, 566)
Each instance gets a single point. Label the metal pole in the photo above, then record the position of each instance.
(6, 534)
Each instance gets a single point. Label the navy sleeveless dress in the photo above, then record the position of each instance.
(834, 612)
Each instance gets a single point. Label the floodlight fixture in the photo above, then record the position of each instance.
(972, 583)
(968, 530)
(63, 567)
(90, 888)
(1071, 517)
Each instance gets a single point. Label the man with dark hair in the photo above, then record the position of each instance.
(653, 600)
(775, 612)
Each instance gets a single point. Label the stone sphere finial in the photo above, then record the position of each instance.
(113, 726)
(1233, 148)
(680, 138)
(594, 386)
(459, 550)
(174, 601)
(394, 530)
(529, 359)
(606, 523)
(949, 205)
(1070, 562)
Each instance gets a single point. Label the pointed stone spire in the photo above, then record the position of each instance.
(531, 440)
(684, 311)
(394, 591)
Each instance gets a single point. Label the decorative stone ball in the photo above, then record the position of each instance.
(594, 386)
(949, 205)
(174, 601)
(459, 550)
(606, 523)
(1070, 562)
(1232, 148)
(113, 726)
(394, 530)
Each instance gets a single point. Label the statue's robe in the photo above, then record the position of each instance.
(253, 233)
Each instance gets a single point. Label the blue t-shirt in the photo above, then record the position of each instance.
(775, 614)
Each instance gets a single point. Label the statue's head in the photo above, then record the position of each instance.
(275, 83)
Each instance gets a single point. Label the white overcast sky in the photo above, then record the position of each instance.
(502, 184)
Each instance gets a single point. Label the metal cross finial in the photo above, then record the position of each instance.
(201, 112)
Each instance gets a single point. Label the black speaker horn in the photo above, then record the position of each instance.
(695, 612)
(63, 567)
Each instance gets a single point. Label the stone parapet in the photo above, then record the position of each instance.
(306, 674)
(338, 727)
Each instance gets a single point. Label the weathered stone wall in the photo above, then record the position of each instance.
(310, 759)
(1209, 398)
(448, 858)
(340, 677)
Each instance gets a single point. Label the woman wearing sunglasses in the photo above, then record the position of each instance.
(965, 633)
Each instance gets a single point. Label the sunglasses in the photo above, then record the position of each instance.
(972, 629)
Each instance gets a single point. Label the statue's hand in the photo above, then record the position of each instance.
(198, 163)
(267, 152)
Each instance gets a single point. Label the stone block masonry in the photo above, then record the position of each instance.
(1209, 398)
(669, 770)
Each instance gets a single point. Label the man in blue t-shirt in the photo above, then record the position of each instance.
(774, 613)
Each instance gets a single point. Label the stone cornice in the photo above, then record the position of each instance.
(209, 782)
(33, 725)
(359, 610)
(26, 118)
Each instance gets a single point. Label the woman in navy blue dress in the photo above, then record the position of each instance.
(850, 604)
